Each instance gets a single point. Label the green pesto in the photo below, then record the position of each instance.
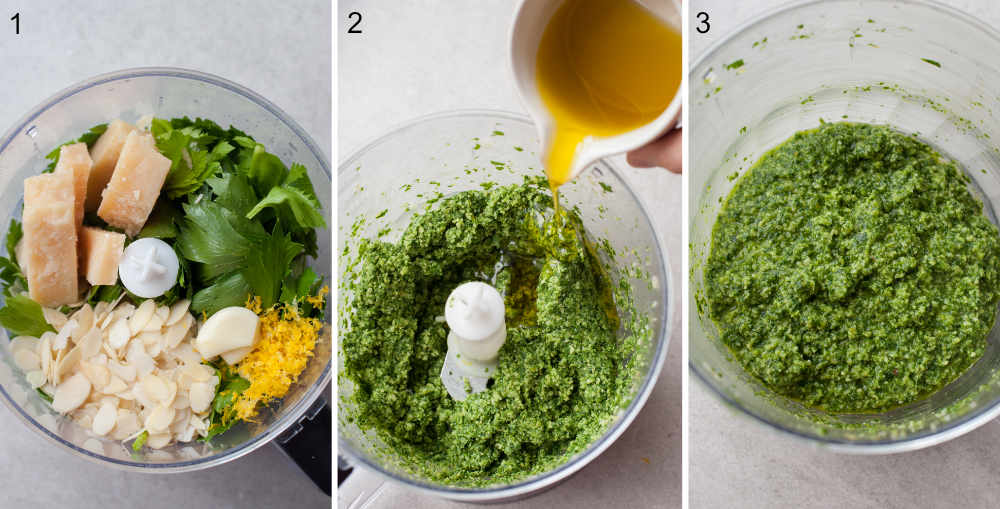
(852, 269)
(562, 374)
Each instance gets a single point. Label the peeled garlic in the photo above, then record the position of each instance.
(228, 329)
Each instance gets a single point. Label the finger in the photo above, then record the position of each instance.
(665, 152)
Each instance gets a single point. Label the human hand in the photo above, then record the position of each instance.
(665, 152)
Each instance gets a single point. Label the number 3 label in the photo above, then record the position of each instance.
(705, 26)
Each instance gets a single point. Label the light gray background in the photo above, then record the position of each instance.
(284, 54)
(421, 57)
(735, 462)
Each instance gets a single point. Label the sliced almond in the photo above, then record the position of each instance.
(126, 372)
(187, 434)
(181, 418)
(35, 378)
(99, 376)
(54, 366)
(177, 331)
(124, 310)
(101, 310)
(178, 311)
(61, 340)
(90, 344)
(45, 354)
(20, 342)
(200, 424)
(159, 419)
(158, 440)
(144, 364)
(119, 333)
(154, 324)
(68, 363)
(201, 396)
(71, 394)
(163, 312)
(155, 387)
(181, 401)
(54, 317)
(148, 337)
(141, 316)
(84, 318)
(83, 420)
(126, 424)
(115, 386)
(27, 360)
(105, 419)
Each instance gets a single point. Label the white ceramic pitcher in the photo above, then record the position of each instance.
(530, 20)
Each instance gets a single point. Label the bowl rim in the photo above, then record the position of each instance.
(953, 429)
(315, 391)
(548, 479)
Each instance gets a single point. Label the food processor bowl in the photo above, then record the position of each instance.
(402, 170)
(167, 93)
(915, 65)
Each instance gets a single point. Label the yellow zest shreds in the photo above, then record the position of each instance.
(318, 299)
(286, 343)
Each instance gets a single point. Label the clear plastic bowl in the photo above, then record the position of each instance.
(915, 65)
(440, 148)
(168, 93)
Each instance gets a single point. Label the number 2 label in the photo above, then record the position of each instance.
(356, 16)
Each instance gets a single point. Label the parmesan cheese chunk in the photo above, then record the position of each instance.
(100, 253)
(135, 184)
(76, 160)
(49, 250)
(105, 154)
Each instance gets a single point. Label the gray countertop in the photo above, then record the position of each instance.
(735, 462)
(282, 53)
(421, 57)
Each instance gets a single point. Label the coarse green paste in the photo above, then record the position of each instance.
(562, 375)
(852, 269)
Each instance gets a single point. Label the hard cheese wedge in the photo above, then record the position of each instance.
(76, 160)
(50, 239)
(105, 154)
(135, 184)
(100, 253)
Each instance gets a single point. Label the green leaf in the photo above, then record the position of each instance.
(195, 153)
(14, 235)
(212, 235)
(230, 386)
(305, 213)
(140, 441)
(104, 293)
(229, 290)
(44, 395)
(10, 270)
(294, 201)
(23, 317)
(268, 264)
(90, 137)
(302, 286)
(233, 192)
(162, 222)
(187, 177)
(225, 397)
(298, 177)
(265, 170)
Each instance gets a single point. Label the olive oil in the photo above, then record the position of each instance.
(604, 67)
